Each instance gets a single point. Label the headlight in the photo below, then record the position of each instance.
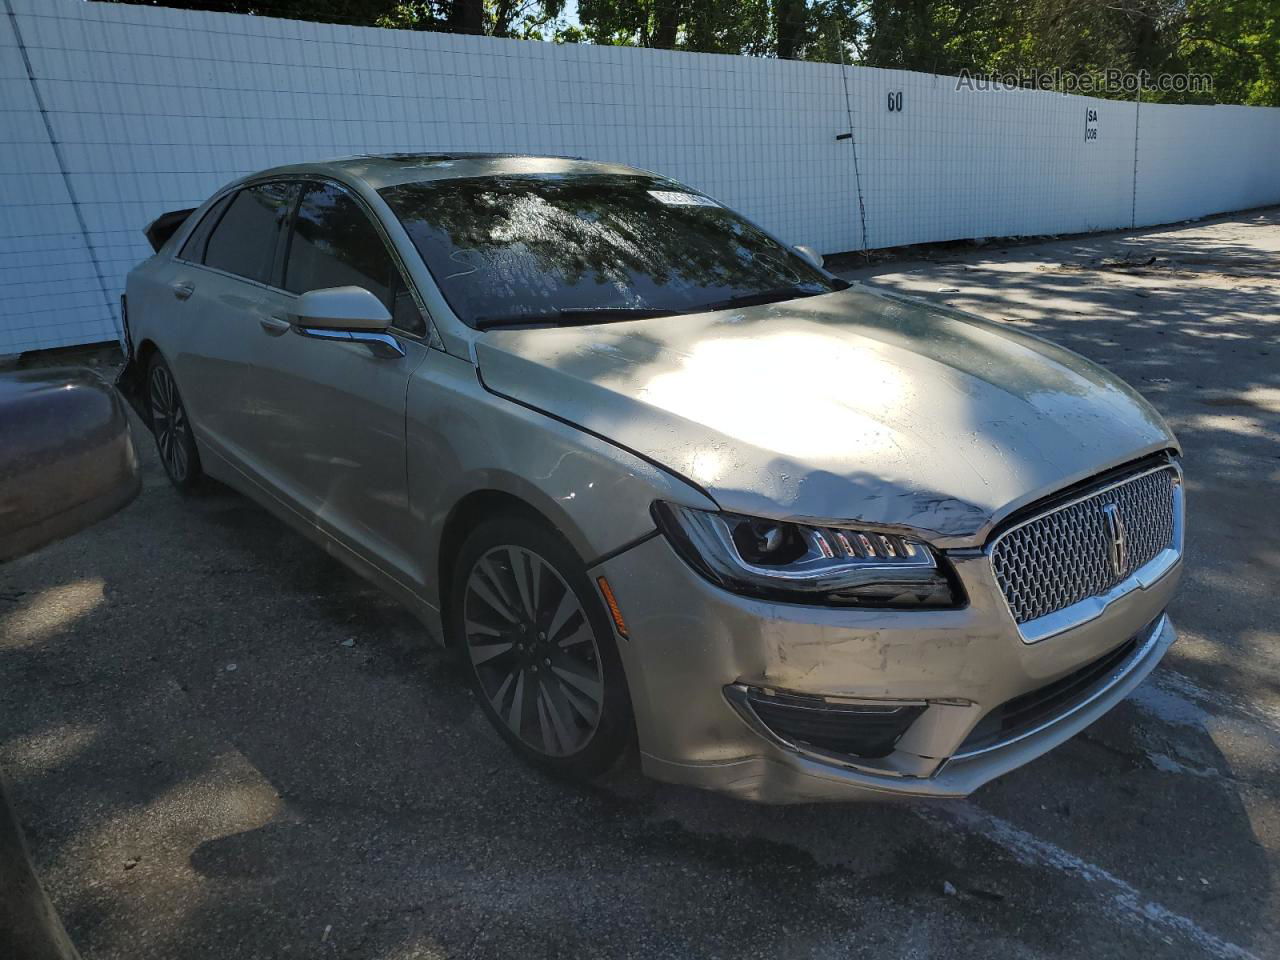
(805, 564)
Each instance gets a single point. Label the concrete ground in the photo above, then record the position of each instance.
(225, 745)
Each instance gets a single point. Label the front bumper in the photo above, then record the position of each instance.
(695, 650)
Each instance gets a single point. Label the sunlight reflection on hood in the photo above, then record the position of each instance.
(731, 385)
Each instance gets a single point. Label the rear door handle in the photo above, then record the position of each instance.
(274, 325)
(181, 289)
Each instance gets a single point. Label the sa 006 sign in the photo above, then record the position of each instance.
(1090, 124)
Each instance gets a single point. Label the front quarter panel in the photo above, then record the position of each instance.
(463, 439)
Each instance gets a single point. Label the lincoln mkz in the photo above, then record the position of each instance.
(668, 487)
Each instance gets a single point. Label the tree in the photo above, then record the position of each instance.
(1237, 42)
(730, 27)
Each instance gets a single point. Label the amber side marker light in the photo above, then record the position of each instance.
(613, 605)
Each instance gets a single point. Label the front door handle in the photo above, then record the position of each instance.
(274, 325)
(181, 289)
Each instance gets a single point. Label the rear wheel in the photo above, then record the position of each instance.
(539, 648)
(171, 427)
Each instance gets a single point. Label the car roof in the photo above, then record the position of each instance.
(390, 169)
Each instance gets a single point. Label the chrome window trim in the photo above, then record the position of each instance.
(226, 273)
(1117, 674)
(1068, 618)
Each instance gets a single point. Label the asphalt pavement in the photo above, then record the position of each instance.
(225, 745)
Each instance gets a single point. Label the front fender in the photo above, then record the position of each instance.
(463, 439)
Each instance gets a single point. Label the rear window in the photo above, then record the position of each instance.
(523, 248)
(245, 239)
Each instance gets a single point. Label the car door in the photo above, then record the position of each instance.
(328, 425)
(219, 284)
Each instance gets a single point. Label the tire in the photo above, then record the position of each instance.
(540, 652)
(171, 428)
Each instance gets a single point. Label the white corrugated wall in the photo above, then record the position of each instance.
(115, 113)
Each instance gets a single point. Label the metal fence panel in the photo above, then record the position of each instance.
(116, 113)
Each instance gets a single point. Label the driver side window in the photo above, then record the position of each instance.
(334, 244)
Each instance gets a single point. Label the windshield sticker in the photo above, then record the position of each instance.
(677, 198)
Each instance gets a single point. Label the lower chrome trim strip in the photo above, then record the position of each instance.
(895, 764)
(1078, 614)
(1118, 673)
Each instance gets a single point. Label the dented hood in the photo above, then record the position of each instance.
(851, 407)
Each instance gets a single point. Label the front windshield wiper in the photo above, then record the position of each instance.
(793, 292)
(577, 316)
(569, 318)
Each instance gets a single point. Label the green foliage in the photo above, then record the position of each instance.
(1236, 42)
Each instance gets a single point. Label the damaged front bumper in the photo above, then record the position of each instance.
(718, 682)
(957, 776)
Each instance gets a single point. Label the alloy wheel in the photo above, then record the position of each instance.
(169, 423)
(533, 650)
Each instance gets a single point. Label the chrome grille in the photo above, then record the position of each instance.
(1065, 556)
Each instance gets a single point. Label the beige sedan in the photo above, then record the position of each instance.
(667, 485)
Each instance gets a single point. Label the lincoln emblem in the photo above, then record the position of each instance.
(1119, 539)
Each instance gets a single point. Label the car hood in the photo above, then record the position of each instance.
(850, 407)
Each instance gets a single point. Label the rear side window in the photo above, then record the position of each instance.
(245, 239)
(193, 249)
(335, 244)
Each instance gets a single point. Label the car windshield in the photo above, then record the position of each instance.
(590, 248)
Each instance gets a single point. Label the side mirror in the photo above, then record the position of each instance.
(341, 308)
(810, 254)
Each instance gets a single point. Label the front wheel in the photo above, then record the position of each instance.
(171, 427)
(539, 648)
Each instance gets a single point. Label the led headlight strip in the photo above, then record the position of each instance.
(800, 563)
